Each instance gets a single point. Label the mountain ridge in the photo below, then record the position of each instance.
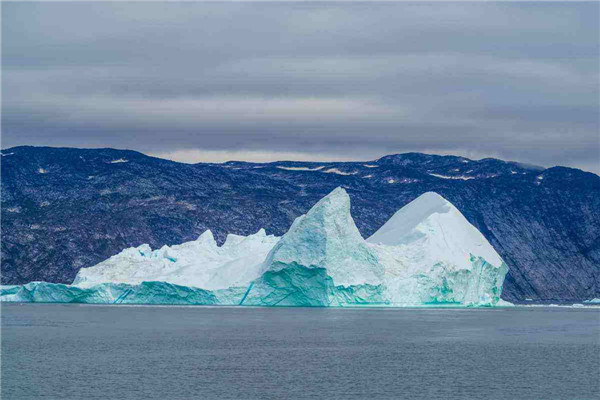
(523, 165)
(66, 208)
(382, 158)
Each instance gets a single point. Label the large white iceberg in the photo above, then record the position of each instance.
(426, 254)
(434, 255)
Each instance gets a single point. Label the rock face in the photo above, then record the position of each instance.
(66, 209)
(321, 261)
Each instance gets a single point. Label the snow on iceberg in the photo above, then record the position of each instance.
(426, 254)
(200, 263)
(434, 255)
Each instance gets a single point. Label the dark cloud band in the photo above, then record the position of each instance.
(516, 80)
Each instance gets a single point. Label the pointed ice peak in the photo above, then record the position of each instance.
(327, 237)
(207, 238)
(427, 204)
(433, 221)
(431, 198)
(409, 216)
(261, 232)
(335, 203)
(335, 207)
(262, 236)
(337, 198)
(233, 239)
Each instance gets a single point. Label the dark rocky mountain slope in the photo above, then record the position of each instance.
(64, 209)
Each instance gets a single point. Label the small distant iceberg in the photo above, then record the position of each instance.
(592, 301)
(426, 254)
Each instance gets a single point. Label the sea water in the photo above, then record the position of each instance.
(68, 351)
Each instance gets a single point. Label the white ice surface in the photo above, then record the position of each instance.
(338, 172)
(199, 263)
(431, 230)
(461, 177)
(300, 168)
(430, 238)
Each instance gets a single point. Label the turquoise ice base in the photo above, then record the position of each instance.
(292, 285)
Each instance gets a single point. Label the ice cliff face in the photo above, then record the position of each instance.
(426, 254)
(322, 253)
(326, 237)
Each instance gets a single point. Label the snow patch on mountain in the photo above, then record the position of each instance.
(338, 172)
(463, 177)
(300, 168)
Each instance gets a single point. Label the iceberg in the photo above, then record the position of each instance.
(592, 301)
(321, 261)
(433, 255)
(199, 263)
(426, 254)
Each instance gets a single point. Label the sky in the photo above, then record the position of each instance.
(306, 81)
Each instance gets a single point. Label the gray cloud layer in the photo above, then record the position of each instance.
(262, 81)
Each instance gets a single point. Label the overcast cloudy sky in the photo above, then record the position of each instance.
(268, 81)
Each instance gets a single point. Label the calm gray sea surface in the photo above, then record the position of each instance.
(58, 351)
